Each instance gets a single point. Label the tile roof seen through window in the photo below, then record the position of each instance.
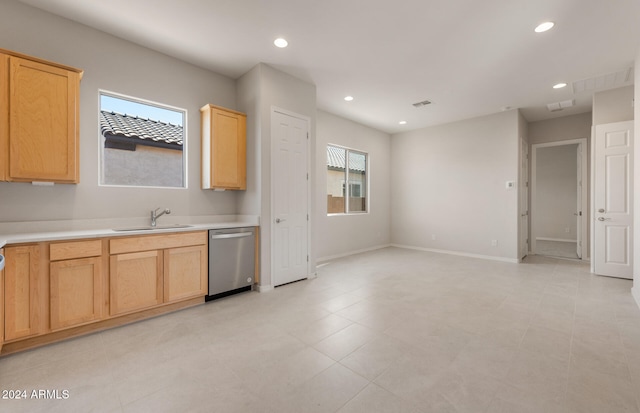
(335, 159)
(152, 131)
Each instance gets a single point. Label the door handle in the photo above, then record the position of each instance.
(603, 219)
(232, 235)
(578, 214)
(601, 210)
(278, 220)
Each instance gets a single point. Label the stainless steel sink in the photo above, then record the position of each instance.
(150, 228)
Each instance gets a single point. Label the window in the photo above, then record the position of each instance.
(346, 180)
(141, 143)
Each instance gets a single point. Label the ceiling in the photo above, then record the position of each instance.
(469, 57)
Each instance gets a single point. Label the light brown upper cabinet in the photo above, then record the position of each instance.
(39, 120)
(224, 148)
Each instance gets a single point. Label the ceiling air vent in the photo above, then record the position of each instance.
(607, 81)
(554, 107)
(423, 103)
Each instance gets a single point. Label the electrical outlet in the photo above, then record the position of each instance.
(494, 242)
(567, 230)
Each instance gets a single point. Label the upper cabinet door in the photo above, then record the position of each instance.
(43, 122)
(224, 148)
(4, 117)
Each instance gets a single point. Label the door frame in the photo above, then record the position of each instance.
(272, 218)
(523, 199)
(584, 199)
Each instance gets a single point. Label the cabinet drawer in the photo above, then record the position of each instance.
(156, 242)
(76, 249)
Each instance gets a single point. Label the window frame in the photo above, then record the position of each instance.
(346, 183)
(185, 162)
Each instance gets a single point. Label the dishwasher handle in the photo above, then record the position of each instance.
(232, 235)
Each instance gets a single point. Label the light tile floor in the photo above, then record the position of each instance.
(391, 330)
(557, 249)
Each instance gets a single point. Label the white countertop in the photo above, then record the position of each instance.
(41, 231)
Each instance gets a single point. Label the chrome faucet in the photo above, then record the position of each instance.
(155, 215)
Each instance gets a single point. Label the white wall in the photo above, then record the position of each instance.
(259, 90)
(449, 181)
(342, 234)
(116, 65)
(556, 192)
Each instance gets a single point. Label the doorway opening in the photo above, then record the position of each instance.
(559, 199)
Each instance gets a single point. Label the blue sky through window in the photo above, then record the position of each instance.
(142, 110)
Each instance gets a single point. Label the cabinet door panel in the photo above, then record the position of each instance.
(43, 122)
(22, 292)
(185, 273)
(76, 292)
(228, 150)
(4, 117)
(135, 281)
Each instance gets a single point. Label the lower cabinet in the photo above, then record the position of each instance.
(76, 293)
(185, 273)
(135, 281)
(148, 271)
(24, 304)
(50, 287)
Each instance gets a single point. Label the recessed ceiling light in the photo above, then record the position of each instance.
(280, 42)
(348, 98)
(559, 85)
(402, 122)
(543, 27)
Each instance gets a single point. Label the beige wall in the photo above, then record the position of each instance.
(146, 166)
(449, 182)
(560, 129)
(613, 105)
(119, 66)
(342, 234)
(335, 182)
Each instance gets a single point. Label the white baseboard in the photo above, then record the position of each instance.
(263, 288)
(346, 254)
(635, 292)
(555, 239)
(462, 254)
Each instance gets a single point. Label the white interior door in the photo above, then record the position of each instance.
(613, 200)
(524, 198)
(579, 202)
(290, 199)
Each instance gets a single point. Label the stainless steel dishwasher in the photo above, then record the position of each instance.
(231, 261)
